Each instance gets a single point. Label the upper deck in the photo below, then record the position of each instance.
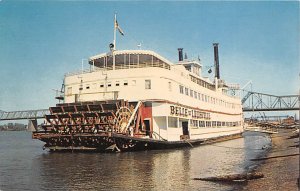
(126, 59)
(107, 69)
(130, 59)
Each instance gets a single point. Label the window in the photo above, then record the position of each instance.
(181, 89)
(117, 83)
(125, 83)
(199, 96)
(186, 91)
(193, 123)
(148, 84)
(208, 124)
(172, 122)
(214, 123)
(202, 123)
(191, 93)
(108, 84)
(87, 86)
(195, 94)
(101, 85)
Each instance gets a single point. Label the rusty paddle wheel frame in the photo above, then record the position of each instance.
(89, 126)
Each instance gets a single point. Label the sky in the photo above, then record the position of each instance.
(40, 41)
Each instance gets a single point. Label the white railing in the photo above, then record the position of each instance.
(119, 67)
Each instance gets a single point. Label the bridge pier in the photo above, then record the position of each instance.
(32, 125)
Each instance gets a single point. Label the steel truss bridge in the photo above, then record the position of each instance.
(18, 115)
(252, 101)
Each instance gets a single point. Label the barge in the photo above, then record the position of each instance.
(137, 100)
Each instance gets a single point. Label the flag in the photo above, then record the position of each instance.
(118, 27)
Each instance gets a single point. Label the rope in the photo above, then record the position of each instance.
(189, 143)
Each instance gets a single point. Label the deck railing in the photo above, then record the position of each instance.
(120, 67)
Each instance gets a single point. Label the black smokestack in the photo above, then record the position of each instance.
(180, 54)
(216, 52)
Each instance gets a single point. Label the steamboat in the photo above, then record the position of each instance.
(138, 100)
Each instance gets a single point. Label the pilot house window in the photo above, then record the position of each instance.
(147, 84)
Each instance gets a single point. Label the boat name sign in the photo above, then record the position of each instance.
(186, 112)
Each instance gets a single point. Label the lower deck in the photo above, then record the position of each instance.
(119, 124)
(173, 122)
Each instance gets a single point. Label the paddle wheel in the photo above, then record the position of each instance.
(90, 126)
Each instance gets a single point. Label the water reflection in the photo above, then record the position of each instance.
(33, 169)
(86, 171)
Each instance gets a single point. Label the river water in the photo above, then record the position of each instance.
(25, 166)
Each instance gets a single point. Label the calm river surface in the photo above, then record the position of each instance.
(25, 166)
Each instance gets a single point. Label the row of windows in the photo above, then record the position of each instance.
(108, 84)
(204, 98)
(202, 83)
(196, 123)
(173, 122)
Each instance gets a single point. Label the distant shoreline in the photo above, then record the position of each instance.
(13, 127)
(13, 130)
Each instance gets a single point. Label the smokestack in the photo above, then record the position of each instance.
(216, 53)
(180, 54)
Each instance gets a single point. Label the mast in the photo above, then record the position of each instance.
(115, 32)
(114, 42)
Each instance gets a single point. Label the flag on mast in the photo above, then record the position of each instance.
(118, 27)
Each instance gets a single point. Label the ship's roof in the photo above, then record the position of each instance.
(189, 62)
(143, 54)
